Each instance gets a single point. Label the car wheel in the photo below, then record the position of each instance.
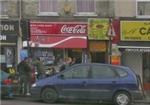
(49, 95)
(122, 98)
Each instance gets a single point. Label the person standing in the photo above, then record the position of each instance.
(24, 71)
(39, 68)
(73, 61)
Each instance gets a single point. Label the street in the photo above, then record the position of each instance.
(29, 101)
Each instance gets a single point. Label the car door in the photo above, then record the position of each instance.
(102, 82)
(73, 82)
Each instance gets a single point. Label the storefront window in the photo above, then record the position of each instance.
(7, 56)
(98, 57)
(75, 53)
(45, 55)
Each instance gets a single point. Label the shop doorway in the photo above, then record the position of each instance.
(77, 53)
(98, 57)
(146, 70)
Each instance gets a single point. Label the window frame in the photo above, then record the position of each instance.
(141, 16)
(47, 13)
(77, 13)
(4, 15)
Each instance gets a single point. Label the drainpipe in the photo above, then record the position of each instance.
(19, 43)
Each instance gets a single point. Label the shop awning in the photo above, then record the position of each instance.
(128, 44)
(58, 42)
(134, 46)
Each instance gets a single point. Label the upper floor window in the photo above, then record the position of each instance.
(3, 8)
(48, 7)
(143, 8)
(85, 7)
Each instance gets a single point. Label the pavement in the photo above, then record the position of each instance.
(146, 98)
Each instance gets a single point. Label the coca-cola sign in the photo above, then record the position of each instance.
(78, 29)
(58, 28)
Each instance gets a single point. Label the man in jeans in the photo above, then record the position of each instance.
(24, 70)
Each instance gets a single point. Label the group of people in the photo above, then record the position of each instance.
(31, 70)
(66, 62)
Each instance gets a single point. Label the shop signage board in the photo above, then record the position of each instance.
(98, 28)
(95, 46)
(135, 30)
(9, 27)
(8, 32)
(138, 49)
(58, 28)
(8, 38)
(58, 34)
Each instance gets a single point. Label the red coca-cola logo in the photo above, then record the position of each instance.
(77, 29)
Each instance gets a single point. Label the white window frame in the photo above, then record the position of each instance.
(141, 16)
(85, 13)
(4, 15)
(46, 13)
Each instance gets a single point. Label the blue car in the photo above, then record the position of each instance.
(93, 81)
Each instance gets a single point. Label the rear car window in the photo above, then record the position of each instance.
(121, 72)
(79, 72)
(99, 72)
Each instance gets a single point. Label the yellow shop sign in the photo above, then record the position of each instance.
(97, 28)
(135, 30)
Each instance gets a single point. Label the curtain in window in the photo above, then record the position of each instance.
(85, 6)
(48, 5)
(143, 8)
(3, 7)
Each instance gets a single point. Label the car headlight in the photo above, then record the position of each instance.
(34, 85)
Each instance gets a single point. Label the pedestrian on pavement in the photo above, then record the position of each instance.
(24, 71)
(39, 66)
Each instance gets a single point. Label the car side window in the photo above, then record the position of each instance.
(121, 72)
(102, 72)
(79, 72)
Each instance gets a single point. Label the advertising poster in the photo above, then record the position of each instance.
(97, 28)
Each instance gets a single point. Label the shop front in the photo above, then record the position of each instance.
(49, 40)
(98, 51)
(135, 48)
(98, 45)
(8, 44)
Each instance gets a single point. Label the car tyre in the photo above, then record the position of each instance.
(49, 95)
(122, 98)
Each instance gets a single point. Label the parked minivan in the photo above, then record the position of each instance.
(92, 81)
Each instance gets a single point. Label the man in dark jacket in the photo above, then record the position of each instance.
(25, 76)
(39, 68)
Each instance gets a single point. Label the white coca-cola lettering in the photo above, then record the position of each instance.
(78, 29)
